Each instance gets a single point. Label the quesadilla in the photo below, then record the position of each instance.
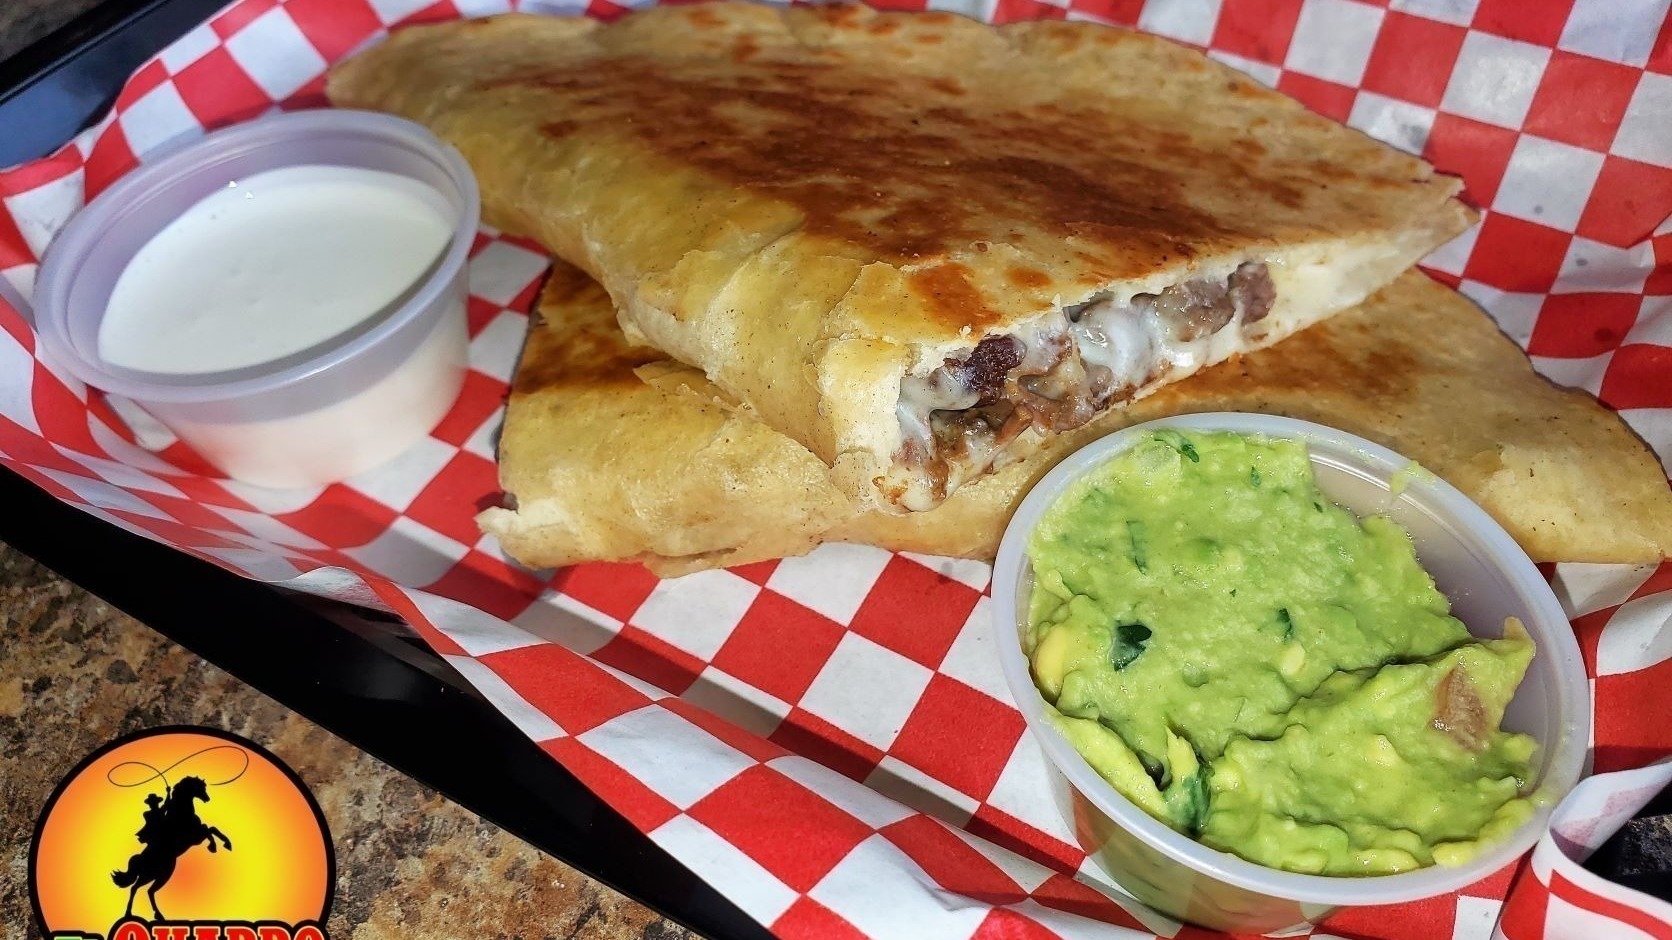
(611, 452)
(918, 245)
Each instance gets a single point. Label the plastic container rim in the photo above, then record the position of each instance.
(178, 164)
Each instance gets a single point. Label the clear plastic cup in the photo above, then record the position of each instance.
(1474, 562)
(307, 419)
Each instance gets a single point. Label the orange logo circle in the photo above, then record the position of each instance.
(182, 826)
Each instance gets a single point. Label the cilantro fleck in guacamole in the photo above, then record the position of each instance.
(1265, 672)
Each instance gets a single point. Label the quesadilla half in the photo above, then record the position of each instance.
(611, 452)
(600, 466)
(918, 245)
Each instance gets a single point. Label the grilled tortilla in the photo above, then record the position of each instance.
(611, 452)
(601, 466)
(918, 245)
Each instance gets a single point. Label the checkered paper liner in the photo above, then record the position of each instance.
(827, 739)
(1566, 900)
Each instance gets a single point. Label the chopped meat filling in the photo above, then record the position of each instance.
(959, 417)
(985, 370)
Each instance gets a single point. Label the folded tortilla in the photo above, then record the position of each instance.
(916, 244)
(611, 452)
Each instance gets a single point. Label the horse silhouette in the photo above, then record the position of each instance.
(171, 827)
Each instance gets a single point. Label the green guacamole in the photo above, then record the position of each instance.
(1265, 672)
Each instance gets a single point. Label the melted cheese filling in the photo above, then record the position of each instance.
(1069, 369)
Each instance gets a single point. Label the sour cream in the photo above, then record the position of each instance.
(296, 326)
(273, 265)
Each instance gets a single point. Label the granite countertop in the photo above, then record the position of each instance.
(24, 21)
(75, 673)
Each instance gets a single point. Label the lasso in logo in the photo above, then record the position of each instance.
(137, 844)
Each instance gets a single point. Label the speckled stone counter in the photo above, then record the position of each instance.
(24, 21)
(75, 673)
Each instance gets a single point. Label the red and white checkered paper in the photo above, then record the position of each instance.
(827, 739)
(1564, 899)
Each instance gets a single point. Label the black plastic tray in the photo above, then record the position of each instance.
(358, 673)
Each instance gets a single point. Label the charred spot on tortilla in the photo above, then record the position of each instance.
(574, 341)
(952, 295)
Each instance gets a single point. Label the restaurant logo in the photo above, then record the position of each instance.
(137, 843)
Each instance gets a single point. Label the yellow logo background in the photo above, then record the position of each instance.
(280, 866)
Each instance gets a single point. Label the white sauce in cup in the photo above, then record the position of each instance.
(273, 265)
(287, 296)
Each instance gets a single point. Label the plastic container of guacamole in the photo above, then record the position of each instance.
(1483, 574)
